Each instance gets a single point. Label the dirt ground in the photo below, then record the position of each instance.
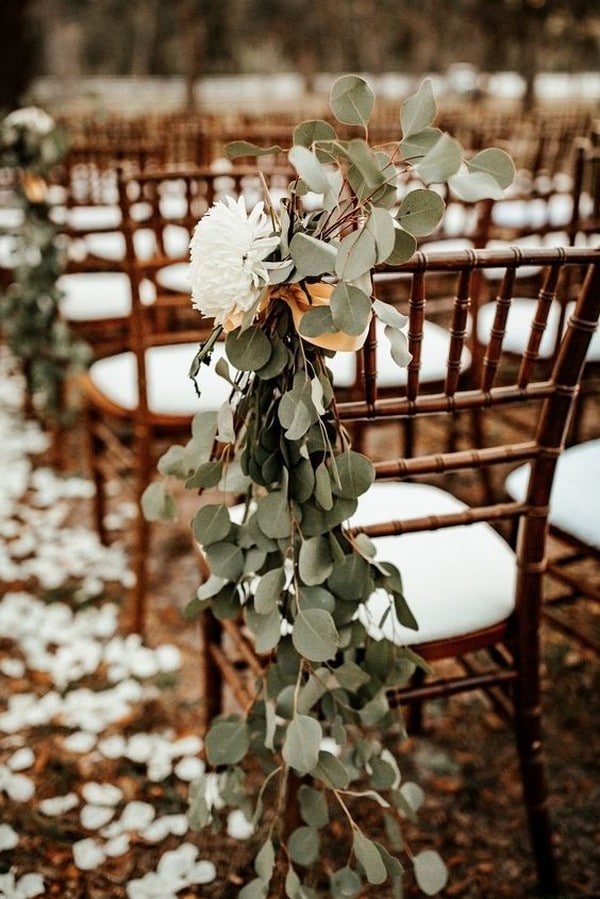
(464, 760)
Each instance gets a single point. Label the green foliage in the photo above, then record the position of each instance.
(282, 560)
(30, 144)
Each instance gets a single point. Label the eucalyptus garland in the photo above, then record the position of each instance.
(281, 482)
(30, 145)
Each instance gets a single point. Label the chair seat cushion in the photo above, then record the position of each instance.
(456, 580)
(575, 497)
(434, 354)
(94, 296)
(110, 245)
(170, 390)
(518, 326)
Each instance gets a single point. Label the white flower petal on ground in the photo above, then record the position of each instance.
(113, 747)
(150, 886)
(238, 826)
(58, 805)
(189, 767)
(176, 865)
(137, 815)
(14, 668)
(93, 817)
(203, 872)
(118, 845)
(101, 793)
(159, 767)
(9, 838)
(17, 787)
(80, 741)
(21, 759)
(188, 745)
(227, 253)
(28, 886)
(88, 854)
(156, 832)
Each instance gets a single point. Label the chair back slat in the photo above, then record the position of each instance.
(544, 400)
(458, 330)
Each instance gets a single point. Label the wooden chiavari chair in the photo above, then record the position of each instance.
(471, 593)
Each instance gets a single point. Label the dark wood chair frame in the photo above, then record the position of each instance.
(512, 677)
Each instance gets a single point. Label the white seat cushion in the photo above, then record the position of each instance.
(170, 390)
(518, 326)
(94, 296)
(175, 277)
(111, 244)
(456, 580)
(87, 218)
(575, 497)
(434, 355)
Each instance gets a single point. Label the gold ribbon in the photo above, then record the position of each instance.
(320, 295)
(34, 186)
(299, 304)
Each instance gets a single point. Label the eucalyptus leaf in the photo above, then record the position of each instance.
(157, 503)
(265, 627)
(419, 110)
(304, 845)
(475, 186)
(431, 873)
(226, 560)
(421, 211)
(255, 889)
(309, 168)
(248, 350)
(236, 148)
(211, 524)
(264, 863)
(323, 494)
(206, 475)
(317, 321)
(398, 346)
(273, 515)
(355, 474)
(313, 806)
(365, 162)
(332, 771)
(415, 146)
(301, 745)
(405, 246)
(227, 742)
(345, 884)
(314, 130)
(352, 100)
(441, 162)
(494, 162)
(357, 254)
(315, 635)
(312, 257)
(381, 225)
(350, 307)
(314, 560)
(268, 591)
(389, 315)
(368, 855)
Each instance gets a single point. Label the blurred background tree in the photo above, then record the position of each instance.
(191, 38)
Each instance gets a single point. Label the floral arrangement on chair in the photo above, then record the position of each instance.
(288, 289)
(30, 145)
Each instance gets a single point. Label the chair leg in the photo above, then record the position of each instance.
(140, 550)
(535, 789)
(413, 716)
(93, 449)
(211, 686)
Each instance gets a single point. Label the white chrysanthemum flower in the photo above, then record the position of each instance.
(30, 118)
(227, 253)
